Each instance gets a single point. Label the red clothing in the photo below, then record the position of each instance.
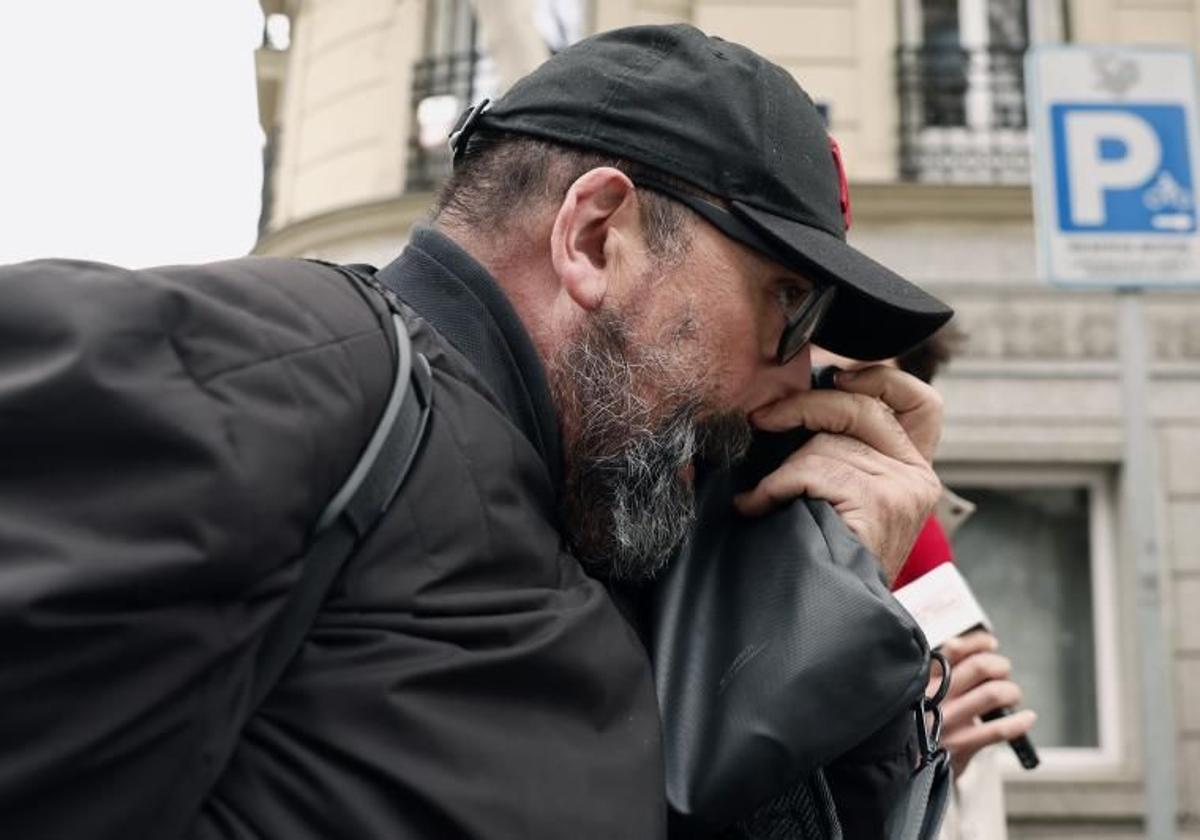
(930, 550)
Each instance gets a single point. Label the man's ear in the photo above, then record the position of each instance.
(596, 225)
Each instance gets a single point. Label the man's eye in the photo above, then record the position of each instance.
(791, 296)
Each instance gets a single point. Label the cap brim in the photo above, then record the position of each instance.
(877, 314)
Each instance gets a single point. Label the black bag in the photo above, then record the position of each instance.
(776, 648)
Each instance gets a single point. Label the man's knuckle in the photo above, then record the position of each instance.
(774, 486)
(867, 408)
(934, 489)
(927, 491)
(878, 410)
(799, 464)
(932, 399)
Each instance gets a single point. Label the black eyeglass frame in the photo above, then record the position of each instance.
(803, 323)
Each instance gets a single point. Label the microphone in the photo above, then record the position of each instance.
(944, 606)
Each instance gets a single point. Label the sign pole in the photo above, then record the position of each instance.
(1158, 717)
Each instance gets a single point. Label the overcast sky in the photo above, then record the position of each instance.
(128, 129)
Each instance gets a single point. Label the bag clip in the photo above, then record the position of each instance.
(929, 731)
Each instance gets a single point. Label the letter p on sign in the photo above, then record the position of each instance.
(1118, 178)
(1135, 157)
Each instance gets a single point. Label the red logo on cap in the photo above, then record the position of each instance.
(843, 184)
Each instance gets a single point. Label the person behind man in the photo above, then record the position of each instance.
(623, 273)
(981, 679)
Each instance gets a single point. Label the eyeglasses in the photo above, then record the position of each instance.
(803, 323)
(804, 316)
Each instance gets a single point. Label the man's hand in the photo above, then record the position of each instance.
(979, 683)
(870, 457)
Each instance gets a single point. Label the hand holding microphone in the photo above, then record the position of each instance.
(980, 688)
(951, 618)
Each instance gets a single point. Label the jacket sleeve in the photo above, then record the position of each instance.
(167, 437)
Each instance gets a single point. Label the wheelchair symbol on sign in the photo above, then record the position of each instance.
(1122, 169)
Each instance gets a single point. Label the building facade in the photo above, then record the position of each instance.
(926, 98)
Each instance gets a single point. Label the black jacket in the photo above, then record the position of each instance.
(168, 437)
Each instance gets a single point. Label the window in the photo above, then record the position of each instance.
(452, 75)
(962, 87)
(1038, 553)
(277, 31)
(944, 69)
(455, 73)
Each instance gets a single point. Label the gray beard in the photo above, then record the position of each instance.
(626, 503)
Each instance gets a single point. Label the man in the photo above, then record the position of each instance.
(623, 274)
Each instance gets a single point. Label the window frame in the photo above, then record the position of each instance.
(1100, 482)
(981, 145)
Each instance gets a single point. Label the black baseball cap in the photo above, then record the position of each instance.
(727, 121)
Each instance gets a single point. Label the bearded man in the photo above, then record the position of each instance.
(622, 276)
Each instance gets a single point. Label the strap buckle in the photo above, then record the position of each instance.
(464, 127)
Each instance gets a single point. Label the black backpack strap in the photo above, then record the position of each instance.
(352, 512)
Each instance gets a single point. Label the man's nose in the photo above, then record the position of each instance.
(776, 381)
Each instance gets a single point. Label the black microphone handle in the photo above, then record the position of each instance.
(1021, 745)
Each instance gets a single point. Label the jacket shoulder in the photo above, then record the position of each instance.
(169, 437)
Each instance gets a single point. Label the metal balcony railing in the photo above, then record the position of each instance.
(443, 87)
(962, 115)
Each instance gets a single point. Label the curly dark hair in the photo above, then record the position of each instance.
(926, 359)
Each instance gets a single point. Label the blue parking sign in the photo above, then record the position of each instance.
(1115, 134)
(1123, 168)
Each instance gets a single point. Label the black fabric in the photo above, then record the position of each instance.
(169, 437)
(803, 812)
(453, 292)
(700, 108)
(919, 814)
(349, 516)
(490, 688)
(777, 648)
(868, 781)
(724, 119)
